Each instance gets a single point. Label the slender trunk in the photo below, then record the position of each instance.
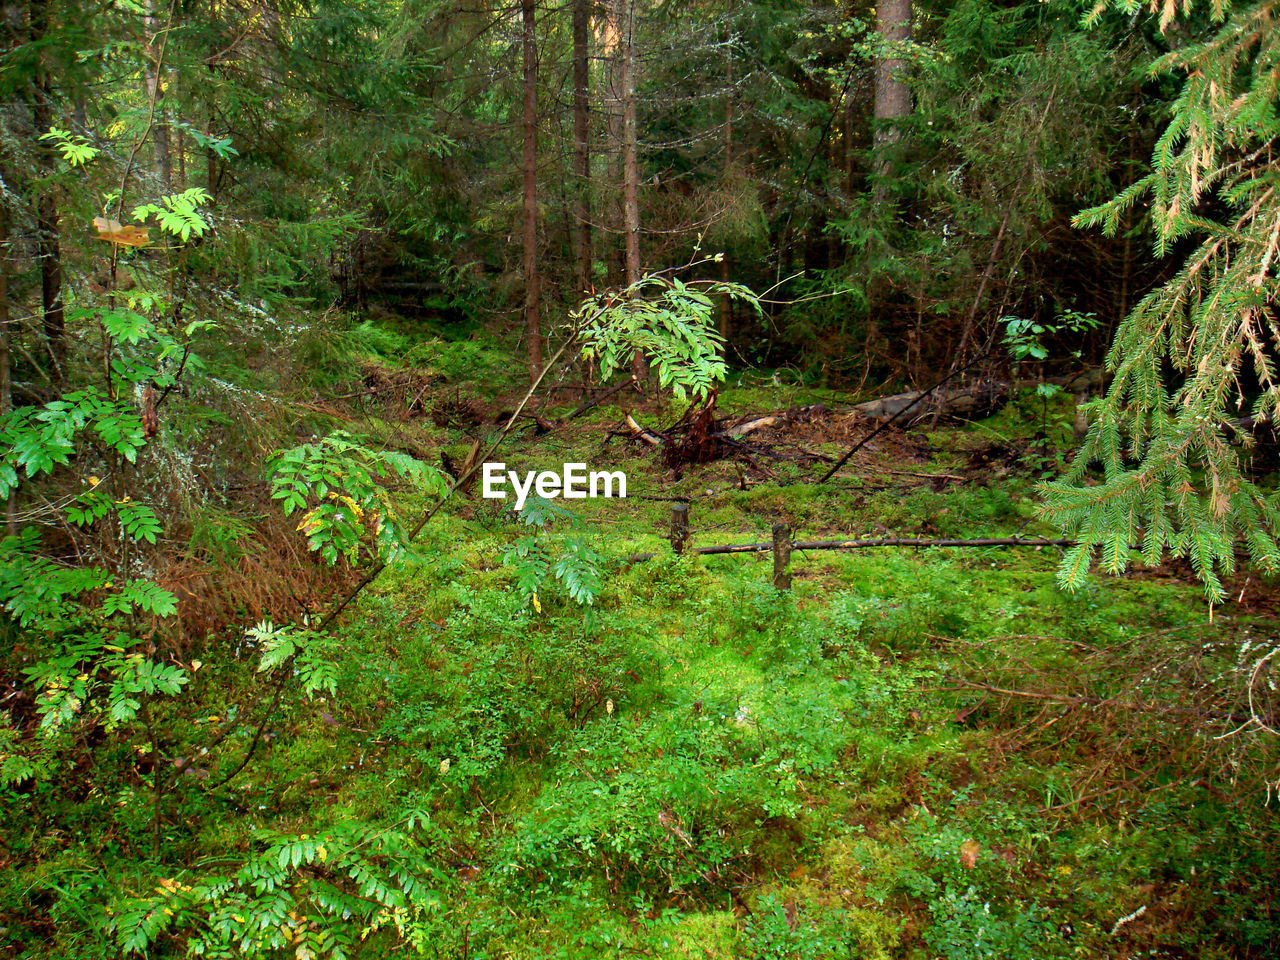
(48, 246)
(6, 377)
(971, 318)
(154, 88)
(892, 95)
(726, 301)
(532, 320)
(630, 164)
(630, 160)
(613, 141)
(582, 145)
(213, 177)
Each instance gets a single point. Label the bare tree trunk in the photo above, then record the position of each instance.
(6, 377)
(630, 164)
(726, 301)
(610, 37)
(582, 144)
(48, 246)
(213, 176)
(532, 320)
(154, 83)
(630, 161)
(892, 95)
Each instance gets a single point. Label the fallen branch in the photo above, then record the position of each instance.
(641, 433)
(595, 402)
(863, 545)
(1078, 701)
(885, 426)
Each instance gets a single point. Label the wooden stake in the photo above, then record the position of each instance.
(781, 556)
(679, 526)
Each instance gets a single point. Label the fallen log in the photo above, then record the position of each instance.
(782, 417)
(863, 545)
(887, 423)
(972, 401)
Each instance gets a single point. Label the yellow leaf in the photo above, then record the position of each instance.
(115, 232)
(969, 851)
(537, 604)
(444, 765)
(322, 854)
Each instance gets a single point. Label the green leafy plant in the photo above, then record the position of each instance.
(75, 149)
(339, 486)
(669, 322)
(178, 214)
(303, 650)
(542, 556)
(313, 895)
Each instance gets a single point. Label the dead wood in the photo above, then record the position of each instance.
(640, 433)
(596, 401)
(968, 402)
(867, 544)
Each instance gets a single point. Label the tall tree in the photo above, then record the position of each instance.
(892, 95)
(48, 228)
(610, 45)
(532, 281)
(582, 144)
(630, 158)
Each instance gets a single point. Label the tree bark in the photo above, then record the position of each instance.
(726, 301)
(48, 245)
(582, 144)
(6, 376)
(154, 89)
(612, 103)
(532, 304)
(892, 95)
(630, 164)
(630, 160)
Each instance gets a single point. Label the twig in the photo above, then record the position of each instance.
(595, 402)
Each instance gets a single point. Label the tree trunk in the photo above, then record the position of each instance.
(610, 37)
(532, 320)
(48, 246)
(726, 301)
(6, 377)
(582, 145)
(154, 89)
(892, 95)
(630, 161)
(630, 164)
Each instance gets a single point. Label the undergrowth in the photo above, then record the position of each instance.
(910, 754)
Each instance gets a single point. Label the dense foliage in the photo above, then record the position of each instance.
(278, 277)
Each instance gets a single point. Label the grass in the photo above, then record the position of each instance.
(696, 765)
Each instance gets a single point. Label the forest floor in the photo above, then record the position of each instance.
(912, 753)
